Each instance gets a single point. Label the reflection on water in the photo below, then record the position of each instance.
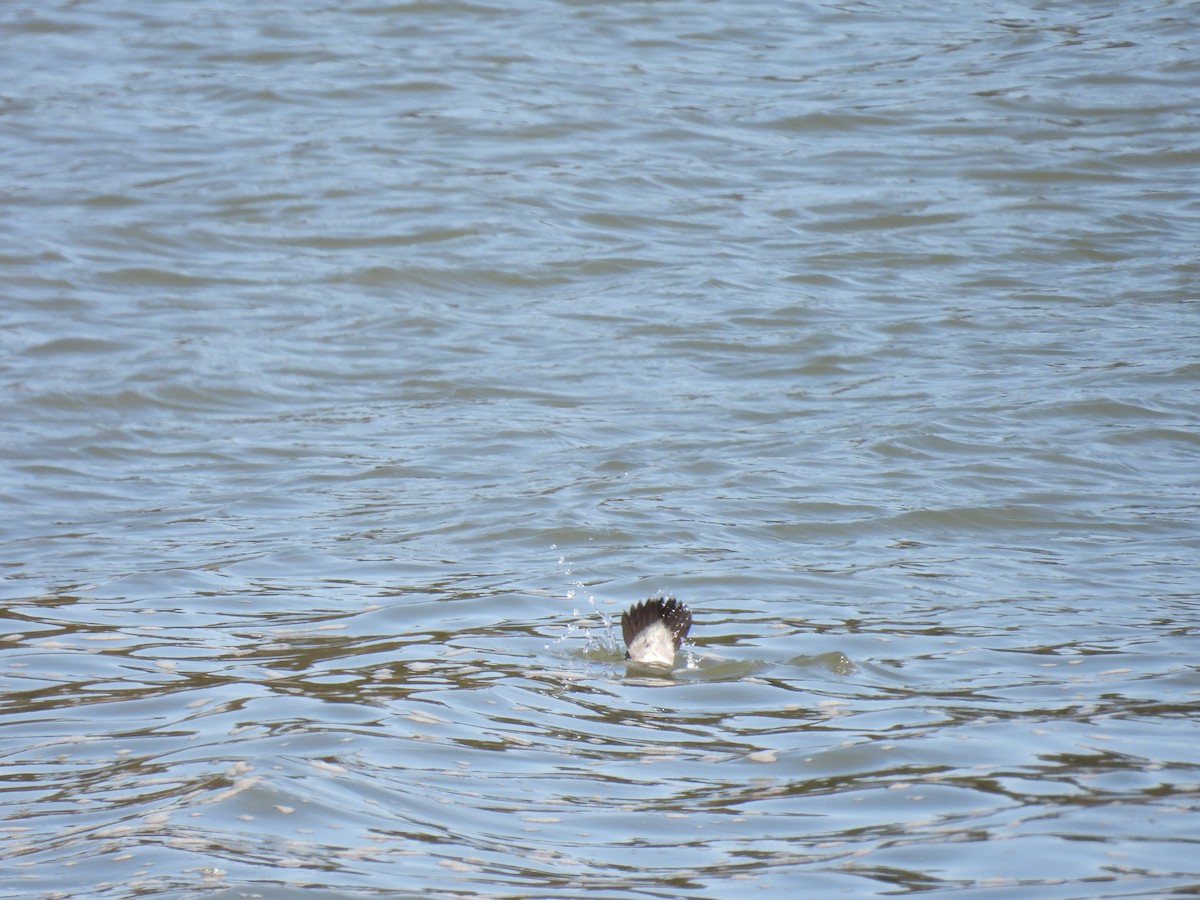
(362, 363)
(504, 758)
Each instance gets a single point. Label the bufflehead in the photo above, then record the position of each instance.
(654, 629)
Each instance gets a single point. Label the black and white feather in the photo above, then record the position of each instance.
(654, 629)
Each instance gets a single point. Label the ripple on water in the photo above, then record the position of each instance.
(362, 363)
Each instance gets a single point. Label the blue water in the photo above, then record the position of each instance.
(360, 363)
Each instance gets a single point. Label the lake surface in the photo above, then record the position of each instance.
(360, 362)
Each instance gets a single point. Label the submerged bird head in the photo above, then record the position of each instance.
(654, 629)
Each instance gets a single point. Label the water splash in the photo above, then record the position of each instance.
(593, 623)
